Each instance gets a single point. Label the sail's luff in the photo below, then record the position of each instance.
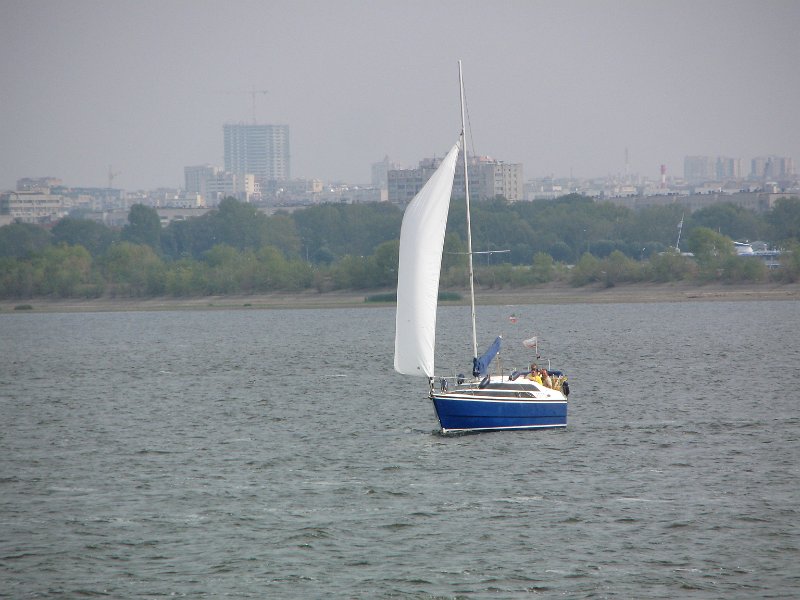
(421, 245)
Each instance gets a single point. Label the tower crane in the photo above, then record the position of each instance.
(252, 93)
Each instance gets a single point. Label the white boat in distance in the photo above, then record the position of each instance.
(485, 401)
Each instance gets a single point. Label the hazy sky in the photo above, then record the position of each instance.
(561, 86)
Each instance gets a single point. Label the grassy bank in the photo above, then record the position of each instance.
(547, 294)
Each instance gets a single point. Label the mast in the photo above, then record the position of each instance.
(680, 229)
(469, 226)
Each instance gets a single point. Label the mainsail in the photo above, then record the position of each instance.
(421, 244)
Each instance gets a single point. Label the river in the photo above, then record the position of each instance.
(276, 454)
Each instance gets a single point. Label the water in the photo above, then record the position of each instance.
(275, 454)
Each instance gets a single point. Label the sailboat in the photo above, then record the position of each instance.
(489, 399)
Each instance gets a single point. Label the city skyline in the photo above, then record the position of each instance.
(563, 88)
(771, 169)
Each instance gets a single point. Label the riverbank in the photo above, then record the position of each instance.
(547, 294)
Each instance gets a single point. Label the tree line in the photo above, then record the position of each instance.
(238, 249)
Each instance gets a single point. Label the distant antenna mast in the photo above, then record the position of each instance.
(627, 167)
(680, 228)
(111, 176)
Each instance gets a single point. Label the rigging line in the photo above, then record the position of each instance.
(480, 252)
(469, 125)
(466, 206)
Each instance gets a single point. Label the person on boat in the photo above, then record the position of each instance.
(534, 375)
(546, 380)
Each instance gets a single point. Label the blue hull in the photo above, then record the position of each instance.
(456, 414)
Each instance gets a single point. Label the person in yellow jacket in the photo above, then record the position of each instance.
(534, 375)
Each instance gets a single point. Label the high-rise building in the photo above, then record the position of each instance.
(729, 168)
(700, 169)
(259, 150)
(697, 169)
(380, 172)
(771, 167)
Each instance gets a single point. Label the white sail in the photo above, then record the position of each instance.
(421, 244)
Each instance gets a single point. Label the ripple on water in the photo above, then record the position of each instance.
(275, 453)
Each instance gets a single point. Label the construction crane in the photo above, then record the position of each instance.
(252, 93)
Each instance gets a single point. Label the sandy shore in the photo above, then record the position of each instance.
(549, 294)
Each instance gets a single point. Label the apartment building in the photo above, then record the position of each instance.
(258, 150)
(33, 206)
(487, 178)
(772, 167)
(213, 184)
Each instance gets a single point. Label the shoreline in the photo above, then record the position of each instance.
(558, 293)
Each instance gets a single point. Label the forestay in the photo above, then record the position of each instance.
(421, 244)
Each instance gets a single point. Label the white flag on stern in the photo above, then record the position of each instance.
(531, 342)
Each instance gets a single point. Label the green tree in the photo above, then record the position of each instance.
(543, 268)
(239, 225)
(784, 220)
(789, 271)
(274, 271)
(144, 227)
(454, 252)
(189, 238)
(387, 258)
(619, 268)
(95, 237)
(654, 228)
(735, 222)
(342, 229)
(587, 270)
(17, 278)
(497, 276)
(281, 232)
(708, 245)
(560, 251)
(225, 270)
(134, 270)
(354, 272)
(221, 255)
(743, 269)
(66, 272)
(185, 277)
(670, 266)
(22, 240)
(299, 275)
(711, 250)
